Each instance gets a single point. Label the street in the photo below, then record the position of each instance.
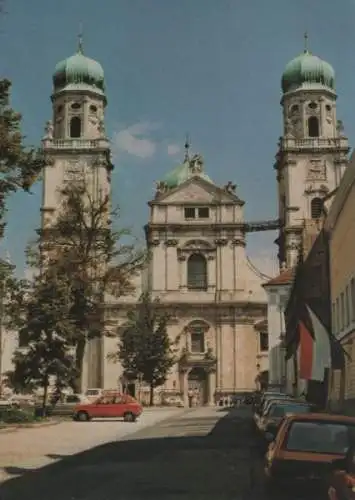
(195, 454)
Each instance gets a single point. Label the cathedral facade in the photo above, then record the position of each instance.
(195, 235)
(203, 278)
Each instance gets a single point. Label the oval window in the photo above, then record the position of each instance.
(76, 105)
(312, 105)
(93, 108)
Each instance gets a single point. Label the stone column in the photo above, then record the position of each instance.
(211, 272)
(183, 272)
(184, 387)
(211, 387)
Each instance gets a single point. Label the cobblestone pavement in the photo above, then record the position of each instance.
(199, 454)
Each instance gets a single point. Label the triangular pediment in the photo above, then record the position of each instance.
(197, 190)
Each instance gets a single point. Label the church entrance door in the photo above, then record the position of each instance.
(197, 384)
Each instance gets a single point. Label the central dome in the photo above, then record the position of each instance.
(79, 69)
(307, 69)
(182, 173)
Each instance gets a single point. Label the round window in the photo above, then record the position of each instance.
(93, 108)
(312, 105)
(76, 105)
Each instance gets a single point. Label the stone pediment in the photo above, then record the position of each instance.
(197, 190)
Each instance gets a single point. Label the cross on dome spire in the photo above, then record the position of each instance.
(80, 39)
(187, 148)
(305, 42)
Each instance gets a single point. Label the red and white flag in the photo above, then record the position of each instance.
(314, 348)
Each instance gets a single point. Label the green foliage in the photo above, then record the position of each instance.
(16, 416)
(145, 348)
(45, 329)
(91, 258)
(19, 166)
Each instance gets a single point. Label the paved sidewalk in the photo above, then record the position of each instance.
(32, 448)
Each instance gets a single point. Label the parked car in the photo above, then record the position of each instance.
(267, 396)
(93, 394)
(62, 407)
(173, 400)
(304, 447)
(263, 407)
(65, 406)
(114, 406)
(276, 411)
(341, 484)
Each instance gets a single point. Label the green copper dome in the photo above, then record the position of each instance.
(307, 69)
(79, 69)
(182, 173)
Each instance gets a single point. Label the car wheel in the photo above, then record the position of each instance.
(82, 416)
(129, 417)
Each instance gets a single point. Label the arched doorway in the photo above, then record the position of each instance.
(197, 382)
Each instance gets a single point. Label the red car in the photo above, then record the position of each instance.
(342, 480)
(109, 406)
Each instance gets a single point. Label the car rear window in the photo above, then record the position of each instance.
(281, 410)
(320, 437)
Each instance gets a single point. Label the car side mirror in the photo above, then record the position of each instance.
(339, 464)
(269, 437)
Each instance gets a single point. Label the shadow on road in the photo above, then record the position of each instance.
(150, 465)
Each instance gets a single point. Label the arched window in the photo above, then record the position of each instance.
(197, 272)
(313, 126)
(316, 208)
(75, 127)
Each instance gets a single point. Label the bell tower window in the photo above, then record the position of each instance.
(313, 126)
(75, 127)
(316, 208)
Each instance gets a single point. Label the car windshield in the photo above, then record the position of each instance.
(279, 411)
(320, 437)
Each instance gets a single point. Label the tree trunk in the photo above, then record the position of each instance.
(151, 395)
(45, 394)
(79, 361)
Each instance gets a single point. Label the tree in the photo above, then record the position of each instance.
(44, 328)
(19, 166)
(9, 288)
(92, 258)
(145, 349)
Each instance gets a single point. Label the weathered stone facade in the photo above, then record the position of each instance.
(223, 311)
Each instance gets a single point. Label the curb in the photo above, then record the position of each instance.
(17, 427)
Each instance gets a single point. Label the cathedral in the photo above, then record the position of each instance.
(195, 235)
(221, 308)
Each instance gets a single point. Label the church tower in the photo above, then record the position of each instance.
(312, 154)
(77, 150)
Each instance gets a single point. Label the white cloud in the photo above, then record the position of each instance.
(173, 149)
(135, 140)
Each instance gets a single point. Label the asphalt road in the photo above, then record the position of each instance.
(199, 454)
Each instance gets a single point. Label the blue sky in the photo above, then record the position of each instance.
(209, 67)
